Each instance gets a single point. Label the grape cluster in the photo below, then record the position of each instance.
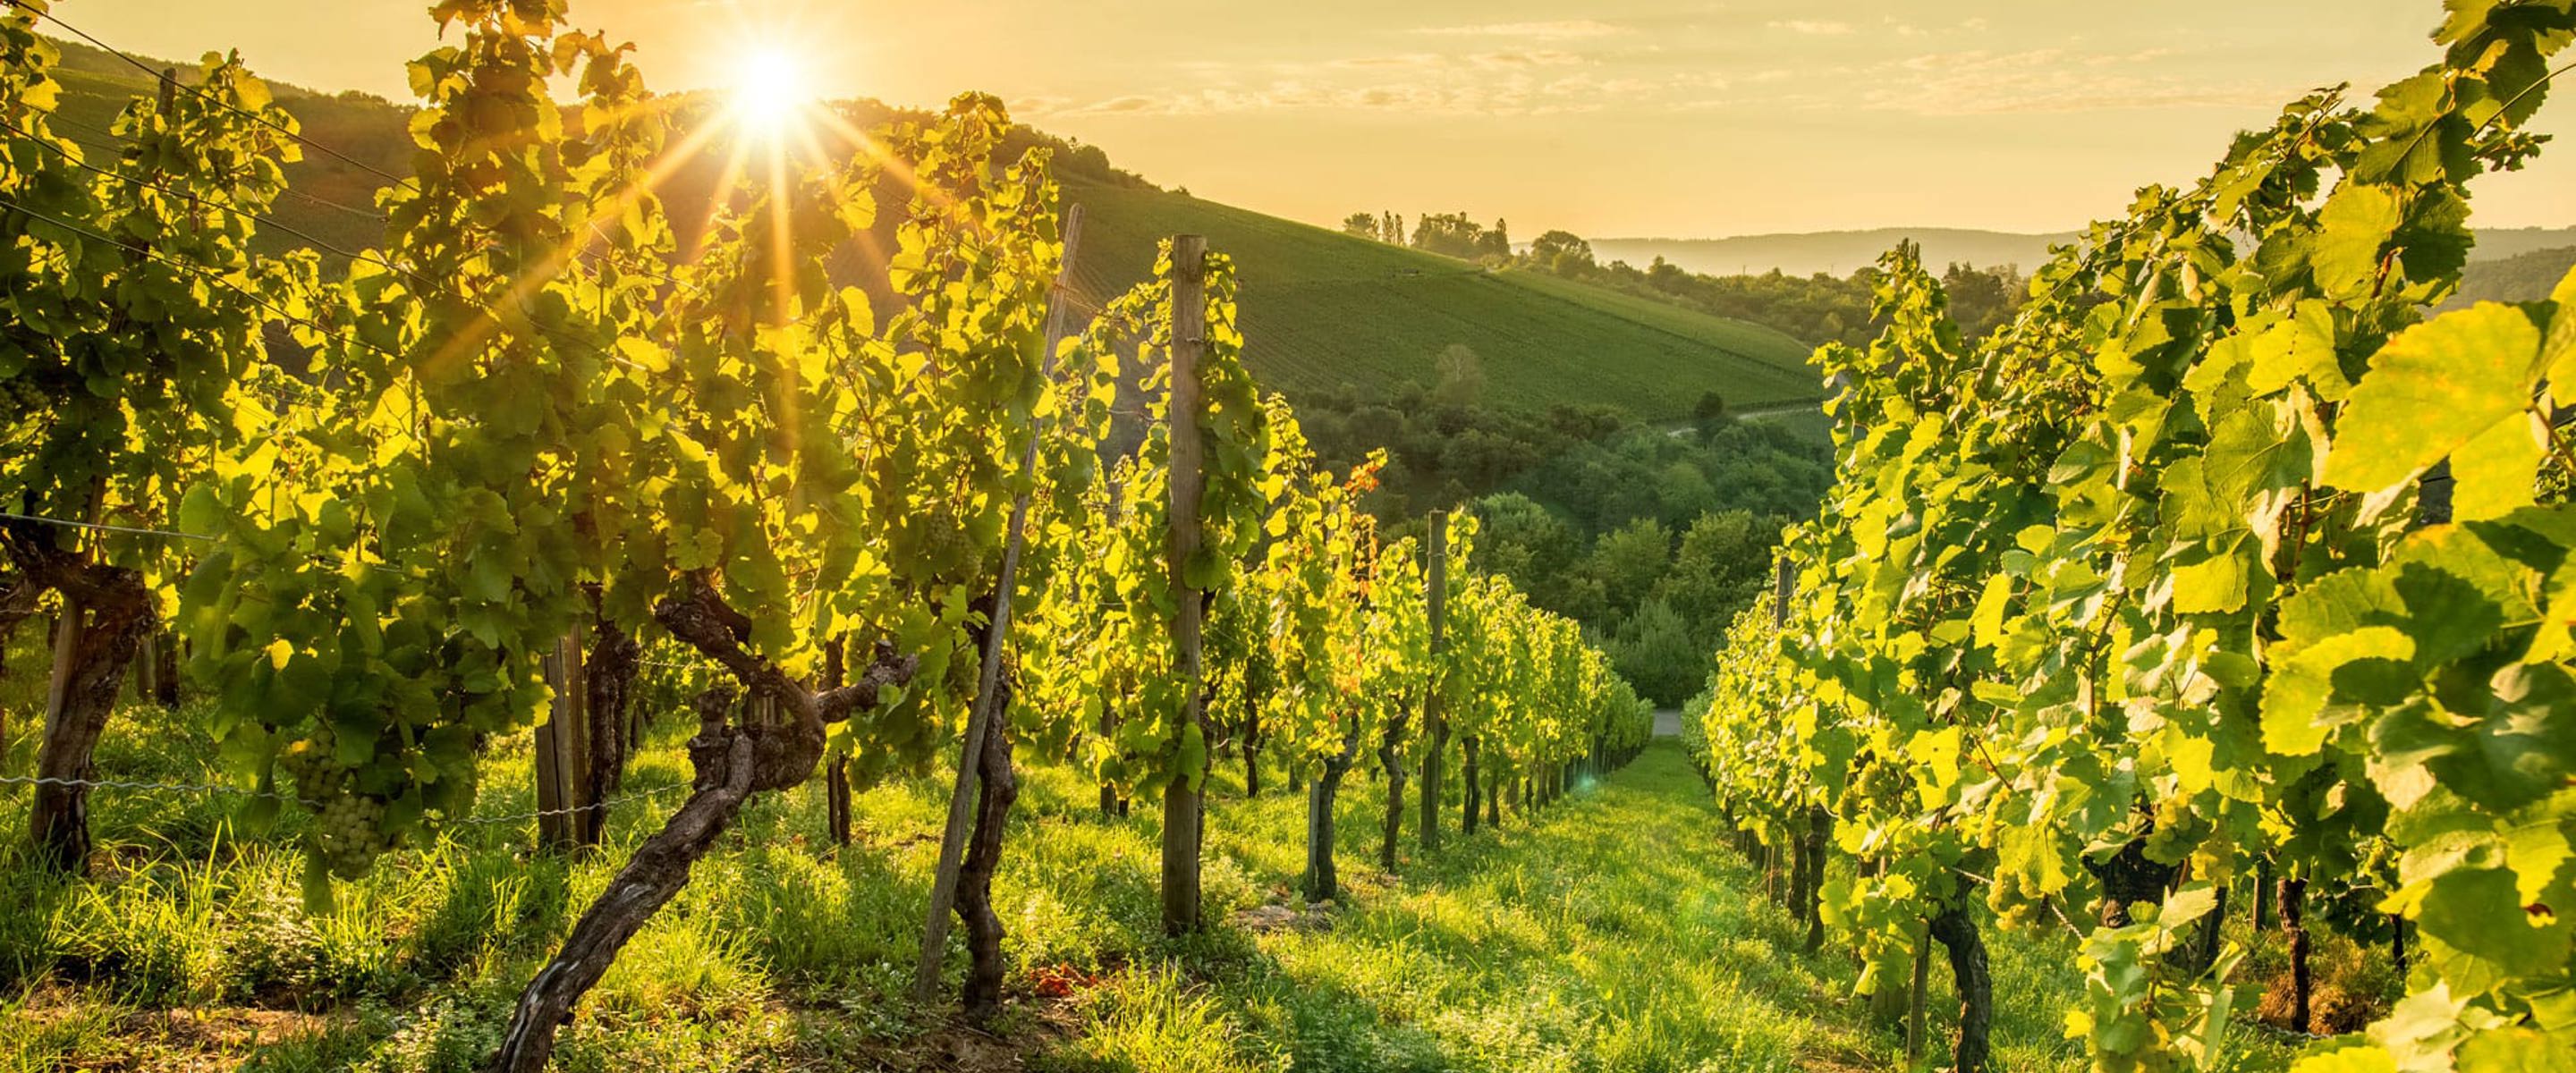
(944, 544)
(1878, 786)
(2179, 829)
(347, 833)
(2018, 903)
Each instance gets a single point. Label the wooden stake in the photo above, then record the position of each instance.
(563, 752)
(981, 719)
(1181, 812)
(1435, 724)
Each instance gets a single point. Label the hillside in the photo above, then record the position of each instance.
(1840, 252)
(1320, 309)
(2523, 278)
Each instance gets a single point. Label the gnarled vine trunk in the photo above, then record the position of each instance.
(996, 788)
(1390, 758)
(2294, 922)
(608, 680)
(731, 763)
(1956, 931)
(1323, 881)
(1469, 783)
(108, 610)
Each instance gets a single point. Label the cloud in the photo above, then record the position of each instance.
(1813, 27)
(1541, 31)
(1980, 82)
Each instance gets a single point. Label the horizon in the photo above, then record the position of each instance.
(1445, 99)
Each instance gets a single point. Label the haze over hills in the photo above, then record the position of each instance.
(1838, 253)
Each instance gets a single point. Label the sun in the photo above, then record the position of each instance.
(770, 93)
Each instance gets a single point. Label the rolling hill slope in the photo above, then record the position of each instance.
(1319, 309)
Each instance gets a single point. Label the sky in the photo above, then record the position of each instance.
(1609, 118)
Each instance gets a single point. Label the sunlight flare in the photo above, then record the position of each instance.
(771, 93)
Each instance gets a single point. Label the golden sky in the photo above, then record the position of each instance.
(1679, 118)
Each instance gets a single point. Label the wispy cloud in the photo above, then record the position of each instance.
(1566, 30)
(1980, 82)
(1813, 27)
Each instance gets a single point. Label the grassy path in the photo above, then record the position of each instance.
(1614, 934)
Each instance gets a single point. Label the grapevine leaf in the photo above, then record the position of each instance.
(2474, 369)
(2296, 700)
(2498, 472)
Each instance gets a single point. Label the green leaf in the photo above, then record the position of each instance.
(2296, 699)
(2216, 584)
(2354, 228)
(2498, 472)
(2432, 390)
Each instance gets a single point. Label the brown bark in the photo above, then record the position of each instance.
(728, 770)
(1323, 880)
(2294, 904)
(1957, 931)
(732, 763)
(608, 678)
(996, 788)
(2128, 878)
(110, 611)
(1469, 781)
(1820, 825)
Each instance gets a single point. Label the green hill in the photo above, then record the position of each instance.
(1321, 309)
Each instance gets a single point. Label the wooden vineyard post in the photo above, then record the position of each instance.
(1435, 723)
(1914, 1001)
(1181, 814)
(983, 719)
(565, 819)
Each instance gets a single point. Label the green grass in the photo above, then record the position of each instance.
(1615, 931)
(1322, 309)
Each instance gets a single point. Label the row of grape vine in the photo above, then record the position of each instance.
(2221, 563)
(529, 425)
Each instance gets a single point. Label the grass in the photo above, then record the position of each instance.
(1613, 932)
(1322, 309)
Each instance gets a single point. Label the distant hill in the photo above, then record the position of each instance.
(1320, 309)
(2526, 277)
(1838, 253)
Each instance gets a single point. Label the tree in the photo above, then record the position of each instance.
(1360, 224)
(1630, 559)
(1723, 566)
(1655, 652)
(1449, 234)
(1462, 376)
(1563, 253)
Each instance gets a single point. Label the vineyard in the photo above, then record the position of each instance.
(2221, 584)
(377, 533)
(531, 639)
